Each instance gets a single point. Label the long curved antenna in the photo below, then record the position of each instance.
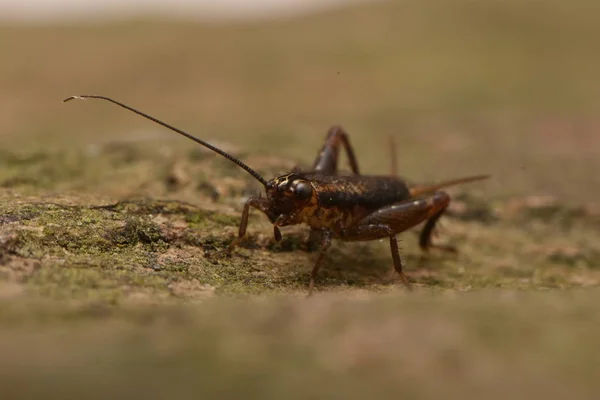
(187, 135)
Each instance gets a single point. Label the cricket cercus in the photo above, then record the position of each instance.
(345, 207)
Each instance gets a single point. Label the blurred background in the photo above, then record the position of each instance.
(508, 88)
(127, 299)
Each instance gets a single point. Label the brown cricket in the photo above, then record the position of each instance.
(346, 207)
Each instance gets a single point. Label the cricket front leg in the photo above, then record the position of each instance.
(255, 202)
(327, 159)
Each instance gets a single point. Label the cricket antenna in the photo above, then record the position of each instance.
(187, 135)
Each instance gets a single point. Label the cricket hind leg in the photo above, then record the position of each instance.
(425, 238)
(378, 231)
(327, 160)
(401, 216)
(398, 262)
(395, 218)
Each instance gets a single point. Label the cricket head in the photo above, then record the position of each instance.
(289, 195)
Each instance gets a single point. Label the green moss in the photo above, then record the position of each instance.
(138, 230)
(197, 219)
(204, 219)
(148, 207)
(92, 284)
(227, 220)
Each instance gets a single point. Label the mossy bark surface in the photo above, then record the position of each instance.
(111, 281)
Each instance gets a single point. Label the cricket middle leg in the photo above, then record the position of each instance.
(325, 243)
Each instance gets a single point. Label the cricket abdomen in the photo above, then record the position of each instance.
(365, 192)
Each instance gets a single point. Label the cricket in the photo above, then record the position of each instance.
(346, 207)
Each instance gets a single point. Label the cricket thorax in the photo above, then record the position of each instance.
(294, 200)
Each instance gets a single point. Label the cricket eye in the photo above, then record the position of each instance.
(303, 190)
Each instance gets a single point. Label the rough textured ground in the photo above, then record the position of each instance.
(126, 297)
(153, 246)
(110, 281)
